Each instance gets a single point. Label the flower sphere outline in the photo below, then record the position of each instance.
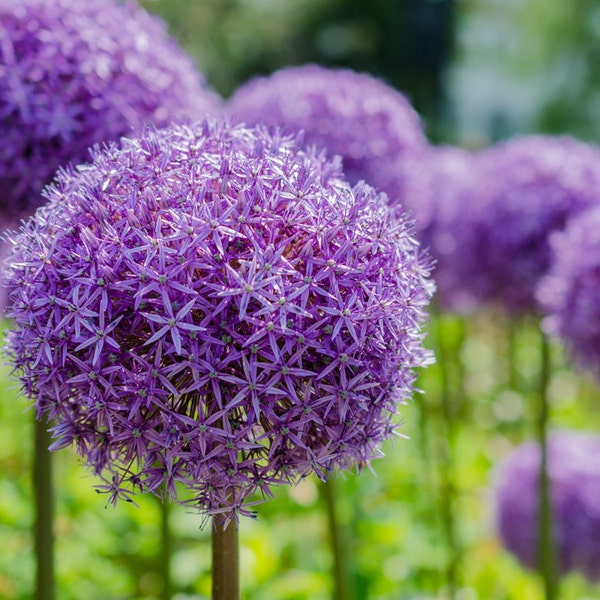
(531, 186)
(210, 305)
(372, 126)
(75, 73)
(568, 293)
(574, 474)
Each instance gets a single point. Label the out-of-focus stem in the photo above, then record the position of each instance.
(342, 590)
(225, 561)
(44, 513)
(447, 359)
(547, 558)
(511, 342)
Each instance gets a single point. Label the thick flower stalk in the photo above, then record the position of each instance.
(370, 125)
(210, 305)
(531, 186)
(74, 73)
(574, 472)
(569, 293)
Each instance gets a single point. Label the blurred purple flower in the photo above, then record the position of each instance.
(574, 472)
(370, 125)
(441, 195)
(569, 293)
(74, 73)
(209, 305)
(531, 185)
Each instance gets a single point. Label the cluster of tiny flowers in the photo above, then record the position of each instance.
(569, 293)
(74, 73)
(209, 305)
(440, 194)
(574, 473)
(531, 186)
(370, 125)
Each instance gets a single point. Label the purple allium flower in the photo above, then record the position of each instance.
(370, 125)
(569, 293)
(574, 472)
(74, 73)
(210, 305)
(441, 195)
(531, 186)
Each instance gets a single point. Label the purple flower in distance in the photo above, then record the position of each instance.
(209, 305)
(441, 195)
(569, 292)
(574, 472)
(370, 125)
(74, 73)
(531, 185)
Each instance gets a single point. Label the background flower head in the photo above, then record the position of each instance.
(574, 474)
(441, 196)
(210, 305)
(569, 293)
(75, 73)
(531, 186)
(370, 125)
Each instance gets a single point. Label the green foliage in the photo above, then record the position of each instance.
(393, 520)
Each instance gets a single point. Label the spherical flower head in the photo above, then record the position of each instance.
(76, 73)
(569, 292)
(212, 306)
(441, 195)
(370, 125)
(531, 186)
(574, 473)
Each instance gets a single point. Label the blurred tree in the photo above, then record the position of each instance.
(407, 42)
(565, 43)
(524, 66)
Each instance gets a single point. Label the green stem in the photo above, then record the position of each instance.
(44, 513)
(225, 561)
(511, 342)
(165, 549)
(547, 558)
(425, 471)
(446, 360)
(339, 548)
